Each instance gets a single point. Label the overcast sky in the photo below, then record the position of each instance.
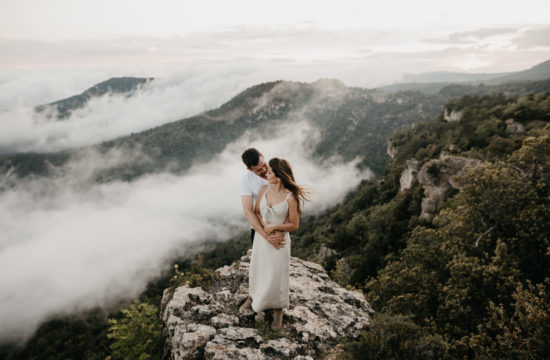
(362, 43)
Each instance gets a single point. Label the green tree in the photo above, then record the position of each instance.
(138, 334)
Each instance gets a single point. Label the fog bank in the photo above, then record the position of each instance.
(69, 244)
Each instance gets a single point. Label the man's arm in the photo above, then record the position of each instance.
(276, 238)
(248, 208)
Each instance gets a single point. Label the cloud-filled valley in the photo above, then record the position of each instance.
(163, 100)
(70, 244)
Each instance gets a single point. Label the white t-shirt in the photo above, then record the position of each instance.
(251, 185)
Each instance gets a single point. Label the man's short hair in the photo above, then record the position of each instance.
(251, 157)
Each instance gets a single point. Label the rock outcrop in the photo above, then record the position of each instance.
(514, 128)
(390, 149)
(325, 253)
(409, 174)
(437, 178)
(452, 115)
(206, 324)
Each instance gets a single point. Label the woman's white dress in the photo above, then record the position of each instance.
(268, 274)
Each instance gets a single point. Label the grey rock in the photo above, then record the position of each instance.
(452, 115)
(203, 310)
(324, 253)
(221, 349)
(391, 149)
(224, 271)
(281, 347)
(513, 127)
(409, 174)
(224, 320)
(188, 341)
(438, 176)
(205, 323)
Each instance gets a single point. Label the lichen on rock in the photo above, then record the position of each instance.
(205, 323)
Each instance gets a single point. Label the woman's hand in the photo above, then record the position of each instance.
(269, 228)
(276, 239)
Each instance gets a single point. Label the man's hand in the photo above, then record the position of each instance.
(276, 239)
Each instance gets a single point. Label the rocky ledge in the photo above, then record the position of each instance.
(206, 324)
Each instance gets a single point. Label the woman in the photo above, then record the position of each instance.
(278, 208)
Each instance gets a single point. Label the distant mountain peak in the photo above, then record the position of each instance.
(335, 83)
(433, 82)
(542, 65)
(63, 109)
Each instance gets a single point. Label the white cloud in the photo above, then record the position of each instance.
(170, 97)
(68, 244)
(185, 90)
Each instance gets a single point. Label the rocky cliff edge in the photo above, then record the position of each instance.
(206, 324)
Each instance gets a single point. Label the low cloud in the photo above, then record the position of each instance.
(533, 38)
(173, 97)
(68, 244)
(479, 34)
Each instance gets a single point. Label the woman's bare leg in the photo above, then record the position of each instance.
(247, 304)
(277, 323)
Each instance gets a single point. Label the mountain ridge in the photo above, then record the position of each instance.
(432, 82)
(352, 122)
(336, 110)
(62, 109)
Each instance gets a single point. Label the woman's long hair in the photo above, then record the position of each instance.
(281, 168)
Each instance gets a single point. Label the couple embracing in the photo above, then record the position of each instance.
(272, 203)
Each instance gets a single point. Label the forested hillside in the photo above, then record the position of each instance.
(474, 281)
(62, 109)
(351, 122)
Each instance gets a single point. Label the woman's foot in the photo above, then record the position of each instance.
(277, 323)
(247, 304)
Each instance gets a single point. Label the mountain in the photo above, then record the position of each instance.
(352, 122)
(429, 88)
(433, 82)
(537, 72)
(62, 109)
(451, 77)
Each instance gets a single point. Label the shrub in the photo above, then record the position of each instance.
(396, 337)
(138, 334)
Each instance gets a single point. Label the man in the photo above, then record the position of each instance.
(251, 184)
